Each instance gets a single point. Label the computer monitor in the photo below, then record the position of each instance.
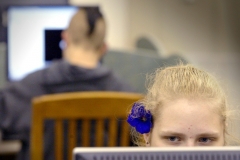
(160, 153)
(34, 37)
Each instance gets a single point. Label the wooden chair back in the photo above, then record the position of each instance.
(84, 106)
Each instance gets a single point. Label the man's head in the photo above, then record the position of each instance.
(85, 35)
(87, 28)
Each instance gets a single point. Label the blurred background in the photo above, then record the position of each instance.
(203, 32)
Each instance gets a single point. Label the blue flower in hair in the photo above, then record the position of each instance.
(140, 118)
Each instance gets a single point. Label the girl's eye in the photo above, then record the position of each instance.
(205, 140)
(173, 139)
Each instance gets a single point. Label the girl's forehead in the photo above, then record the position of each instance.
(188, 105)
(185, 112)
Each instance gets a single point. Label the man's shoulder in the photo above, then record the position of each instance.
(32, 80)
(40, 75)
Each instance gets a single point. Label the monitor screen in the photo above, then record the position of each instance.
(34, 37)
(160, 153)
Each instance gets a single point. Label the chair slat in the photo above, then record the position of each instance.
(37, 135)
(72, 137)
(125, 134)
(85, 133)
(112, 132)
(59, 139)
(99, 132)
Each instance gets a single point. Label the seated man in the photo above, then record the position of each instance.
(79, 70)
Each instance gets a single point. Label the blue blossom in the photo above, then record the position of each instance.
(140, 118)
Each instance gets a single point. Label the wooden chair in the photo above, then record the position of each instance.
(84, 106)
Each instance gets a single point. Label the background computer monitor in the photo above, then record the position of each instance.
(160, 153)
(34, 37)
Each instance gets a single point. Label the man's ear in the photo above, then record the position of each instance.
(147, 138)
(65, 37)
(103, 49)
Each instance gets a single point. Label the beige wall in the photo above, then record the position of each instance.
(232, 19)
(181, 26)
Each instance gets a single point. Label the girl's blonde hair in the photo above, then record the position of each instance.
(182, 81)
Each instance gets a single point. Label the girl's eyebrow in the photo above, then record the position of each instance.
(208, 134)
(171, 133)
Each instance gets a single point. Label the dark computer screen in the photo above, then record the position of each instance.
(53, 44)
